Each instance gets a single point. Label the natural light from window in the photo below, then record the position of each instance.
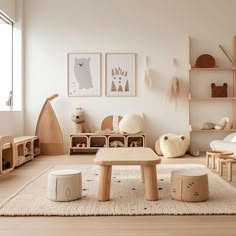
(5, 63)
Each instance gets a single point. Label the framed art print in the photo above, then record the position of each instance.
(120, 74)
(84, 73)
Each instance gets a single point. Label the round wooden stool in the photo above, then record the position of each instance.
(229, 161)
(189, 185)
(64, 185)
(214, 154)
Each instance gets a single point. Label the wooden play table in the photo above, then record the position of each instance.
(145, 157)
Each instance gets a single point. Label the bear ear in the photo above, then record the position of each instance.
(213, 85)
(225, 85)
(166, 138)
(182, 137)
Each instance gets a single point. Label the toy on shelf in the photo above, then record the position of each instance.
(135, 144)
(79, 120)
(49, 131)
(81, 145)
(111, 123)
(224, 123)
(116, 143)
(219, 91)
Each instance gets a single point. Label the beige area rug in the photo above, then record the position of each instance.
(127, 196)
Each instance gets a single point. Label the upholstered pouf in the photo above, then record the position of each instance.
(189, 185)
(64, 185)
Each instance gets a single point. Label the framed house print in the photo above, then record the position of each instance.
(84, 72)
(120, 74)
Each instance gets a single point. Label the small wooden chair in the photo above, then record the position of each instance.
(229, 161)
(214, 154)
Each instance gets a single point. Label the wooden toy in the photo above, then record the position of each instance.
(205, 61)
(49, 131)
(219, 91)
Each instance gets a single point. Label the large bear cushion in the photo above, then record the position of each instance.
(173, 145)
(131, 124)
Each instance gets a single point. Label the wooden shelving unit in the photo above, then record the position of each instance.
(202, 99)
(91, 142)
(7, 154)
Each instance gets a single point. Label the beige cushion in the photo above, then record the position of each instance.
(64, 185)
(172, 145)
(131, 124)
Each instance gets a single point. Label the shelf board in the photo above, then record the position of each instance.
(212, 130)
(212, 69)
(212, 98)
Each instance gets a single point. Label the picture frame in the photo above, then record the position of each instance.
(84, 74)
(120, 74)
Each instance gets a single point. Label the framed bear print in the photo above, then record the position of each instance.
(120, 74)
(84, 72)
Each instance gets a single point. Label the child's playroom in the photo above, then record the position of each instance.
(117, 117)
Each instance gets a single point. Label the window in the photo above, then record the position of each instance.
(6, 62)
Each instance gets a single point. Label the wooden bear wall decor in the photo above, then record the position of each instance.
(219, 91)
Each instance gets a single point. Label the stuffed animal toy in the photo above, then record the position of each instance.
(116, 144)
(172, 145)
(79, 120)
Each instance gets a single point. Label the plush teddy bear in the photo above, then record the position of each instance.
(78, 119)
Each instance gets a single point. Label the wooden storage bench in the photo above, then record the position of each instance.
(91, 142)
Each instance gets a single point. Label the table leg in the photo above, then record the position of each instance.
(104, 184)
(150, 177)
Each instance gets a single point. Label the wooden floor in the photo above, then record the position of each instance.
(104, 226)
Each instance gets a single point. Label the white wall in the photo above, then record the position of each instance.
(155, 28)
(8, 8)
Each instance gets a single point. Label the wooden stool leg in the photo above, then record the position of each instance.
(217, 164)
(104, 184)
(213, 161)
(142, 174)
(207, 159)
(150, 177)
(229, 171)
(221, 167)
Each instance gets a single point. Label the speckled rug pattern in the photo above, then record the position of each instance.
(127, 195)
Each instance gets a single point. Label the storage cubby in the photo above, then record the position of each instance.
(135, 141)
(36, 146)
(20, 156)
(119, 138)
(91, 142)
(7, 154)
(81, 141)
(98, 141)
(27, 147)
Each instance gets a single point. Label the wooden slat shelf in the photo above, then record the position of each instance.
(212, 69)
(220, 74)
(212, 98)
(212, 130)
